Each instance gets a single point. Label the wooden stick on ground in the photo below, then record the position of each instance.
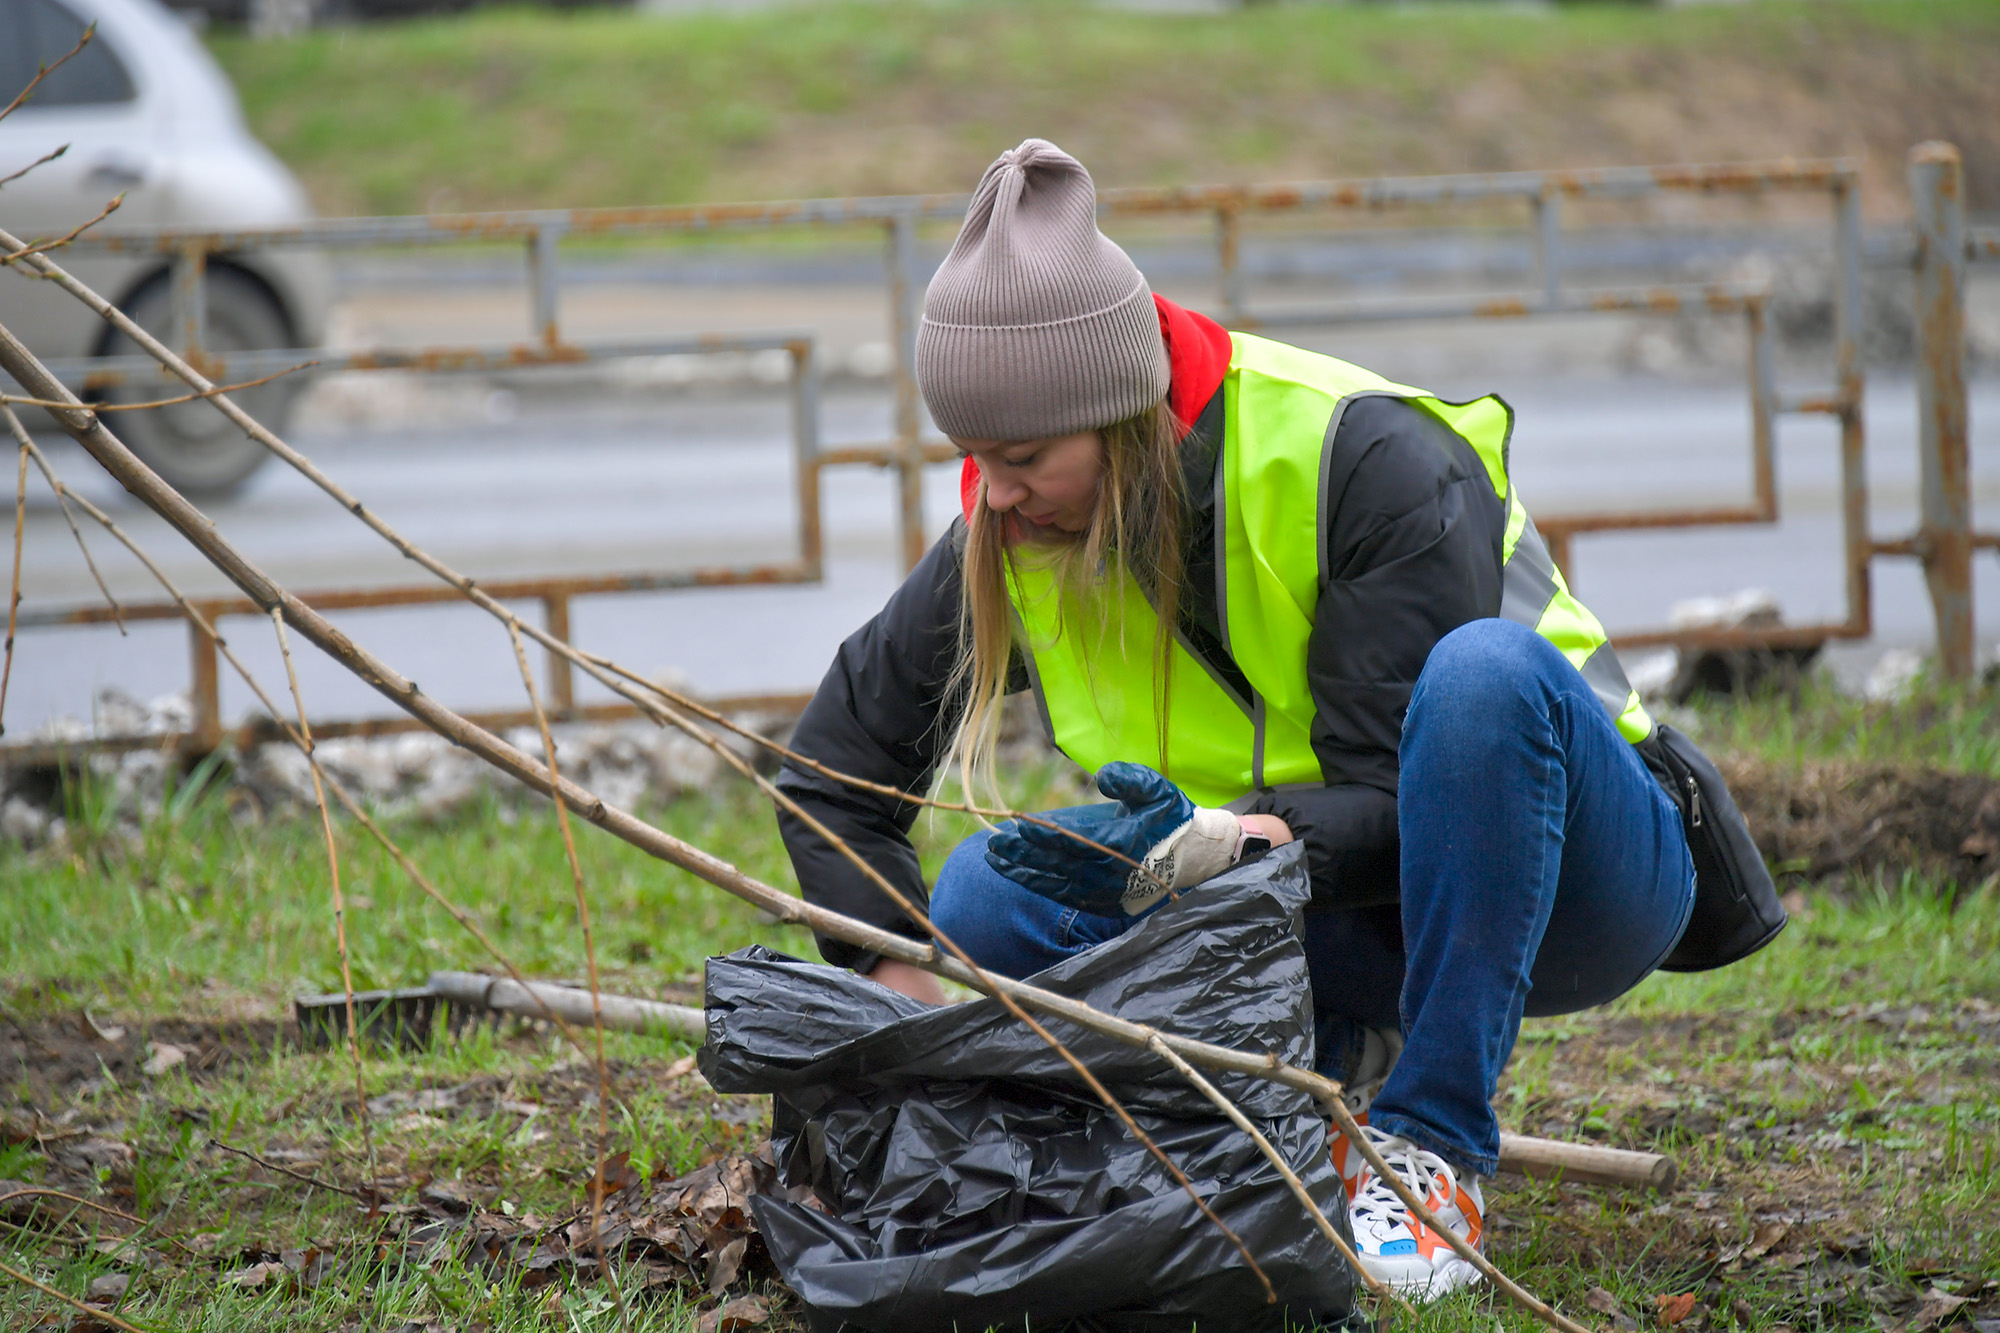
(94, 1311)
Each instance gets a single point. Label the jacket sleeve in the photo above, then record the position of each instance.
(878, 714)
(1414, 533)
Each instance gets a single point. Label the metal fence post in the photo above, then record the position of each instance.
(562, 676)
(188, 301)
(903, 331)
(1937, 187)
(1548, 244)
(805, 456)
(204, 685)
(543, 283)
(1229, 263)
(1849, 390)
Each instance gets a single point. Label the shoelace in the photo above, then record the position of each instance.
(1417, 1167)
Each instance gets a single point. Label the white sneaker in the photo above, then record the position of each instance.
(1393, 1245)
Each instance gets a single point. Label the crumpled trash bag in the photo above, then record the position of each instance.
(967, 1178)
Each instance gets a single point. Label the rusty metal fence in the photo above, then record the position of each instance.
(1943, 247)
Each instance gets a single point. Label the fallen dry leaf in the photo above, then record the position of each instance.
(1936, 1310)
(681, 1068)
(128, 1252)
(107, 1288)
(255, 1277)
(1670, 1310)
(165, 1056)
(1605, 1303)
(741, 1313)
(1767, 1235)
(725, 1262)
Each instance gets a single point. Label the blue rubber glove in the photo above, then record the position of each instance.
(1153, 823)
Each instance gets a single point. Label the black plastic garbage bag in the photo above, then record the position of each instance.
(969, 1180)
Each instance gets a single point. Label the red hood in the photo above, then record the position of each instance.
(1198, 352)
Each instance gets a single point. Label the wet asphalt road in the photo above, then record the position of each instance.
(503, 487)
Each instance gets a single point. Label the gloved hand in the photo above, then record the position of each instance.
(1153, 822)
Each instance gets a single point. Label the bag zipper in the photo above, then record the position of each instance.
(1694, 802)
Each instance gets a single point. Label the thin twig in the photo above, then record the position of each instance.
(590, 961)
(1380, 1289)
(65, 239)
(27, 443)
(15, 401)
(89, 32)
(14, 600)
(368, 1196)
(333, 784)
(339, 901)
(94, 1311)
(43, 247)
(41, 161)
(130, 472)
(140, 1222)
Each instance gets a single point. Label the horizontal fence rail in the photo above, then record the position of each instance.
(1941, 247)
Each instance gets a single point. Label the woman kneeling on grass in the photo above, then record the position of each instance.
(1266, 595)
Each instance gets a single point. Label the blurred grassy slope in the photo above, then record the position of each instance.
(521, 108)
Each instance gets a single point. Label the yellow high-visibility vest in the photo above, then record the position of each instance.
(1094, 668)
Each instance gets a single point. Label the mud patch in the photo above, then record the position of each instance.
(1826, 821)
(47, 1061)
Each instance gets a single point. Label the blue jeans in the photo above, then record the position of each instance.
(1544, 871)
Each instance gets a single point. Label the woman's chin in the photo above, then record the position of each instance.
(1021, 528)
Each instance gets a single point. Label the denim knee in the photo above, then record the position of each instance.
(1484, 669)
(956, 906)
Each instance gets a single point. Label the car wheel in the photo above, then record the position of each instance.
(193, 446)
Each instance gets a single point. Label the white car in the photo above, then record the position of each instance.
(145, 110)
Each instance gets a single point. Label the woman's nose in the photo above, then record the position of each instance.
(1004, 495)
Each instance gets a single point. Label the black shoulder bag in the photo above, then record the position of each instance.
(1736, 907)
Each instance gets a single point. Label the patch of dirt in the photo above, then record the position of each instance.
(1833, 819)
(1795, 1199)
(51, 1060)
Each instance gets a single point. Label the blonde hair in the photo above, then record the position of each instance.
(1136, 527)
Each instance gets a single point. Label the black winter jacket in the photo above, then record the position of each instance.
(1413, 551)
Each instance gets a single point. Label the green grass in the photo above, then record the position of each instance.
(1938, 725)
(1844, 1074)
(528, 107)
(195, 903)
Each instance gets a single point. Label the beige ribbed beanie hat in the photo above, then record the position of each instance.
(1037, 324)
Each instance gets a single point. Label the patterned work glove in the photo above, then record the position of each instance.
(1153, 823)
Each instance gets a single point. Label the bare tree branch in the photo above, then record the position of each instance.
(20, 433)
(46, 70)
(43, 160)
(43, 247)
(13, 400)
(97, 440)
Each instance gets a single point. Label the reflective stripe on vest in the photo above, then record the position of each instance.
(1093, 669)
